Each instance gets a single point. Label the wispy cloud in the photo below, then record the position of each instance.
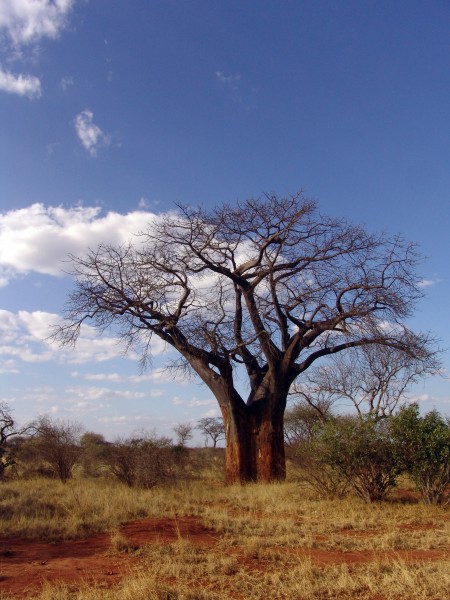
(85, 394)
(228, 80)
(115, 377)
(90, 134)
(66, 83)
(197, 402)
(237, 89)
(160, 376)
(429, 282)
(24, 339)
(192, 402)
(27, 21)
(123, 419)
(21, 85)
(22, 24)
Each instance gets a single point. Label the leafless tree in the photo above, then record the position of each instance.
(184, 433)
(303, 419)
(262, 290)
(374, 379)
(212, 427)
(58, 444)
(8, 429)
(143, 460)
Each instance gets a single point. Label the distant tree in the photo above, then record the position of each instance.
(94, 447)
(144, 460)
(8, 430)
(58, 444)
(184, 433)
(423, 444)
(374, 379)
(302, 420)
(260, 290)
(212, 427)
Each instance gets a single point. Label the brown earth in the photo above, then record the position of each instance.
(25, 565)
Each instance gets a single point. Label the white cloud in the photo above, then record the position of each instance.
(122, 419)
(144, 203)
(214, 412)
(162, 375)
(103, 393)
(23, 23)
(429, 282)
(39, 238)
(104, 377)
(229, 80)
(9, 366)
(24, 338)
(22, 85)
(66, 83)
(197, 402)
(26, 21)
(193, 402)
(89, 134)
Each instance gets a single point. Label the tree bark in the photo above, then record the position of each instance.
(255, 441)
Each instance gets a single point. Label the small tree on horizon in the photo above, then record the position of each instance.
(258, 291)
(8, 430)
(184, 433)
(57, 443)
(212, 427)
(302, 420)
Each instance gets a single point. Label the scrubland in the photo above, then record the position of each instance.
(264, 541)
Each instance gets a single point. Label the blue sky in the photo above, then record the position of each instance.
(113, 110)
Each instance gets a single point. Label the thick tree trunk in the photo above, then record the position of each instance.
(255, 441)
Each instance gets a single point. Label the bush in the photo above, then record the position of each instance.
(325, 479)
(145, 461)
(423, 446)
(362, 453)
(94, 450)
(54, 448)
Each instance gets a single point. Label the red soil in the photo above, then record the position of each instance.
(25, 566)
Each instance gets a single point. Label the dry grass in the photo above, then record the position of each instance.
(182, 572)
(269, 545)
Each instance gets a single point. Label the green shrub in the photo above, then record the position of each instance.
(362, 452)
(423, 447)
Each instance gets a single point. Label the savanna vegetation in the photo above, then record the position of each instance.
(375, 533)
(342, 492)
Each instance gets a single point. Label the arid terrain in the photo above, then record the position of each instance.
(203, 540)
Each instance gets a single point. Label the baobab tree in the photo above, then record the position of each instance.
(260, 290)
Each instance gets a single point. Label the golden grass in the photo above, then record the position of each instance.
(182, 572)
(272, 541)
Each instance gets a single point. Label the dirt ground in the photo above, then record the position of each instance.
(25, 566)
